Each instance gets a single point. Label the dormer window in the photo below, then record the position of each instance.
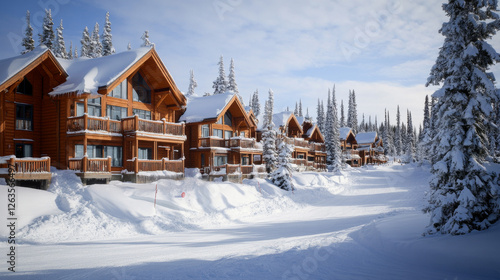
(141, 90)
(25, 87)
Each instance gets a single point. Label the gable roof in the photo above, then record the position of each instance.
(87, 75)
(344, 132)
(211, 107)
(11, 67)
(366, 137)
(310, 133)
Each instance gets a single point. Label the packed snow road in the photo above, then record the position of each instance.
(362, 224)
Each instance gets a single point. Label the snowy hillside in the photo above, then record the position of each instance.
(365, 223)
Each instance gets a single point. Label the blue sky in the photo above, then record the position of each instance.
(383, 49)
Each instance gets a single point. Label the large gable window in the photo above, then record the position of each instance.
(25, 87)
(120, 91)
(228, 119)
(141, 90)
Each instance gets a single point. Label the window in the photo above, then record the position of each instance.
(115, 112)
(25, 87)
(80, 109)
(24, 150)
(95, 151)
(120, 91)
(219, 121)
(141, 90)
(228, 134)
(217, 133)
(24, 117)
(116, 155)
(143, 114)
(78, 151)
(257, 158)
(242, 133)
(300, 156)
(245, 160)
(220, 160)
(205, 130)
(94, 107)
(202, 160)
(228, 119)
(145, 153)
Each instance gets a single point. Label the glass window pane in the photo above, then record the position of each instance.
(78, 151)
(228, 134)
(141, 90)
(228, 119)
(204, 130)
(80, 109)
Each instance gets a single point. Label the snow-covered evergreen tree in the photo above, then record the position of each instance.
(397, 135)
(256, 103)
(282, 175)
(319, 117)
(70, 52)
(362, 124)
(269, 135)
(47, 37)
(192, 85)
(59, 45)
(409, 142)
(231, 84)
(220, 84)
(75, 55)
(86, 46)
(332, 139)
(296, 111)
(464, 195)
(107, 38)
(28, 42)
(300, 108)
(352, 112)
(145, 40)
(95, 43)
(425, 137)
(342, 115)
(129, 47)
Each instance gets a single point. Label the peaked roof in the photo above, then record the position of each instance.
(10, 67)
(87, 75)
(366, 137)
(344, 132)
(210, 107)
(311, 131)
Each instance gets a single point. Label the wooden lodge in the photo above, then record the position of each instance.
(221, 136)
(309, 144)
(96, 116)
(370, 147)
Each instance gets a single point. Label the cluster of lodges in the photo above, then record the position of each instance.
(123, 117)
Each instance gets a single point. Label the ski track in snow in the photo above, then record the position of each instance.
(365, 223)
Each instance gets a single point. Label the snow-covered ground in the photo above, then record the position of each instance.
(365, 223)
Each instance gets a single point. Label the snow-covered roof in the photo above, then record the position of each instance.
(366, 137)
(87, 75)
(310, 131)
(281, 119)
(206, 107)
(9, 67)
(344, 132)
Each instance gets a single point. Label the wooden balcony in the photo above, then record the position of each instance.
(213, 143)
(29, 168)
(297, 142)
(137, 165)
(134, 124)
(228, 169)
(94, 165)
(88, 123)
(244, 143)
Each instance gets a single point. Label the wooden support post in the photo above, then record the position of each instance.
(136, 122)
(84, 163)
(163, 164)
(85, 121)
(136, 165)
(12, 163)
(109, 164)
(48, 164)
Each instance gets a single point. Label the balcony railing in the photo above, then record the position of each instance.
(134, 123)
(297, 142)
(137, 165)
(213, 142)
(244, 143)
(351, 155)
(30, 165)
(85, 164)
(229, 169)
(126, 125)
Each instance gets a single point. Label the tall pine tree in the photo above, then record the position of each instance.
(332, 139)
(95, 43)
(465, 196)
(192, 85)
(282, 175)
(269, 135)
(107, 38)
(85, 41)
(47, 37)
(28, 42)
(60, 46)
(220, 84)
